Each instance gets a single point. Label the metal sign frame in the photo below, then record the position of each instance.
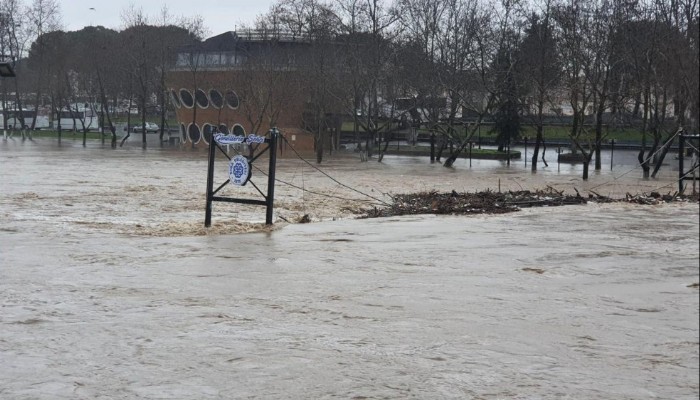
(269, 198)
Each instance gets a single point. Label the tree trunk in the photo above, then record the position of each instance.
(640, 156)
(143, 120)
(319, 145)
(586, 160)
(637, 104)
(162, 106)
(382, 150)
(539, 137)
(544, 150)
(443, 146)
(664, 151)
(599, 134)
(128, 123)
(574, 131)
(18, 106)
(536, 150)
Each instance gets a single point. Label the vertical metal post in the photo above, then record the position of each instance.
(432, 147)
(471, 145)
(681, 152)
(612, 152)
(525, 151)
(210, 182)
(559, 159)
(271, 176)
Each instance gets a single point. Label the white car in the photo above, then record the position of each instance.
(150, 127)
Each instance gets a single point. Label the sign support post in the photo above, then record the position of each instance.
(210, 181)
(271, 176)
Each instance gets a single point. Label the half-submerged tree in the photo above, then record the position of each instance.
(540, 71)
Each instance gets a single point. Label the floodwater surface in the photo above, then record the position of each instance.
(111, 289)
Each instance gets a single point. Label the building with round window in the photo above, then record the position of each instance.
(240, 84)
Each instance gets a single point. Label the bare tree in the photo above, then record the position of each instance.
(422, 25)
(170, 34)
(15, 35)
(572, 36)
(43, 16)
(353, 15)
(603, 24)
(682, 66)
(139, 44)
(191, 58)
(316, 24)
(541, 70)
(483, 34)
(268, 83)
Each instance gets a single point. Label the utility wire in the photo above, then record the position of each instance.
(330, 177)
(304, 190)
(696, 166)
(668, 143)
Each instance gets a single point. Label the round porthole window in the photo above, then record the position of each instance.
(174, 99)
(186, 98)
(207, 132)
(183, 133)
(238, 130)
(217, 101)
(232, 99)
(194, 133)
(202, 99)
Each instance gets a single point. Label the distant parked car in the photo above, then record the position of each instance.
(150, 127)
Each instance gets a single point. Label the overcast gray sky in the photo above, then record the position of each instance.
(219, 15)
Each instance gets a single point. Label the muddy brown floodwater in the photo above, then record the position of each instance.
(110, 287)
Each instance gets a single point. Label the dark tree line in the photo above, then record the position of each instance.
(104, 69)
(594, 63)
(448, 65)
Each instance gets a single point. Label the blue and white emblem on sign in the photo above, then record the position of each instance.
(239, 170)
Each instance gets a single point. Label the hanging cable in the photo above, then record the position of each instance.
(330, 177)
(304, 190)
(668, 143)
(690, 171)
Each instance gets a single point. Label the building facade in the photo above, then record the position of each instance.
(241, 84)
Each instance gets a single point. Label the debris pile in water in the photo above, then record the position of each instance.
(489, 202)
